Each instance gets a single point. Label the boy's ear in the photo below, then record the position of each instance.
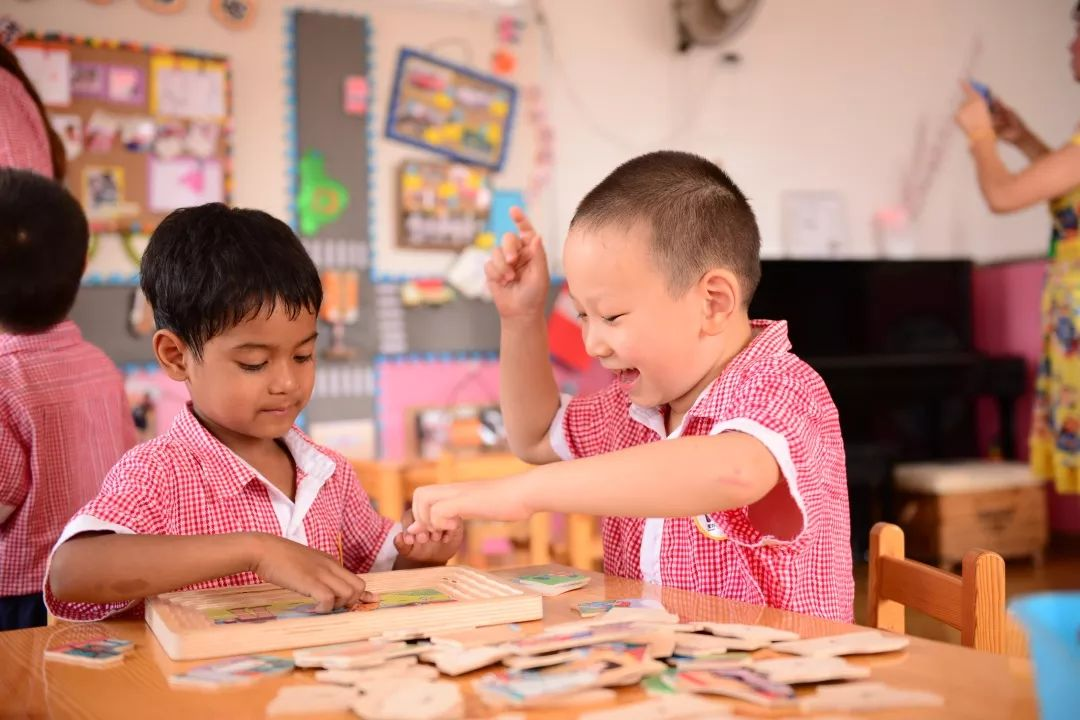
(170, 352)
(720, 291)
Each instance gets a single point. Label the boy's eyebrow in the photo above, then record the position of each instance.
(268, 346)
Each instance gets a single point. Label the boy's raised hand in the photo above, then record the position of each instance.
(427, 547)
(517, 270)
(309, 572)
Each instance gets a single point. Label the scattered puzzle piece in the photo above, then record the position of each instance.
(867, 696)
(98, 653)
(857, 643)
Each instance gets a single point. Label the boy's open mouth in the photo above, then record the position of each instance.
(627, 377)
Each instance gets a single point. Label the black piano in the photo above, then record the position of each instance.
(893, 342)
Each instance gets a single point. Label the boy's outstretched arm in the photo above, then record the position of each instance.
(673, 478)
(115, 567)
(518, 278)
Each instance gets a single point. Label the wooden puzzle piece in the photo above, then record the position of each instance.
(440, 700)
(868, 696)
(800, 670)
(232, 672)
(478, 637)
(532, 662)
(310, 699)
(695, 645)
(761, 633)
(668, 707)
(736, 683)
(97, 653)
(454, 661)
(857, 643)
(401, 668)
(351, 656)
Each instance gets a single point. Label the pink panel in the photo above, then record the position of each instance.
(404, 384)
(1006, 304)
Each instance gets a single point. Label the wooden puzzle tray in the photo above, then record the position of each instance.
(259, 618)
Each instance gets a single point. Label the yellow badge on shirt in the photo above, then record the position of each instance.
(708, 527)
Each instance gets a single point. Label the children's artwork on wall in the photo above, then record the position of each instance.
(137, 133)
(70, 130)
(451, 110)
(126, 85)
(89, 79)
(443, 205)
(113, 258)
(188, 88)
(49, 69)
(155, 399)
(103, 191)
(145, 130)
(356, 95)
(341, 307)
(321, 199)
(185, 182)
(101, 130)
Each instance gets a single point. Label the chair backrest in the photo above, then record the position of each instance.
(973, 602)
(450, 468)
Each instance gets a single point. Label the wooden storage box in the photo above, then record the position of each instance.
(947, 509)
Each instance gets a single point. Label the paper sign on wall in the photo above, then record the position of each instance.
(184, 182)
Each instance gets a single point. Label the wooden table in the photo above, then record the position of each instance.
(975, 685)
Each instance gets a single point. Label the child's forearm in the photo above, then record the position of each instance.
(670, 478)
(529, 395)
(106, 568)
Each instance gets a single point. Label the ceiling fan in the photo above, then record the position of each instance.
(710, 22)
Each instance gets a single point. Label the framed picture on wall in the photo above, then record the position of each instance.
(450, 109)
(444, 205)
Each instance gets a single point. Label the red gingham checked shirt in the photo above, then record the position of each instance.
(187, 483)
(769, 393)
(64, 421)
(23, 143)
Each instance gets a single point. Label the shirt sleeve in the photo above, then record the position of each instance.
(131, 501)
(23, 142)
(780, 411)
(585, 422)
(14, 461)
(367, 537)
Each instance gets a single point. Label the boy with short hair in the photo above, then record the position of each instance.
(233, 493)
(64, 416)
(746, 497)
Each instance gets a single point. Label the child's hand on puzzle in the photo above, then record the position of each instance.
(309, 572)
(425, 546)
(517, 271)
(443, 507)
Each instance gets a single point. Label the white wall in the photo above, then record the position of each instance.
(827, 97)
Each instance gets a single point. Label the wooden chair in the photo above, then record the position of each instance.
(382, 481)
(450, 468)
(973, 602)
(585, 549)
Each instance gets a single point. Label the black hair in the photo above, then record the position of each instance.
(208, 268)
(698, 217)
(44, 239)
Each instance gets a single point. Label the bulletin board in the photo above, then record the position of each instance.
(146, 129)
(451, 109)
